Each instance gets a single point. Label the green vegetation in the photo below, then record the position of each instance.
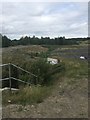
(27, 95)
(70, 72)
(76, 69)
(0, 40)
(6, 42)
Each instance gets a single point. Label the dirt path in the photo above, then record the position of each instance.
(66, 103)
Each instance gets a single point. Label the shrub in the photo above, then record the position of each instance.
(42, 69)
(45, 71)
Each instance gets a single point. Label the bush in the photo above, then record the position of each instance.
(42, 69)
(45, 71)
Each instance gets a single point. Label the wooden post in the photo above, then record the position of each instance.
(10, 75)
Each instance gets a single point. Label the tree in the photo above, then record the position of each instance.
(0, 40)
(6, 42)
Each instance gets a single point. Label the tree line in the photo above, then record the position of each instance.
(6, 42)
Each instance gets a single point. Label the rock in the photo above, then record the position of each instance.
(32, 106)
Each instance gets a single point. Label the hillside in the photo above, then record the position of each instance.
(65, 97)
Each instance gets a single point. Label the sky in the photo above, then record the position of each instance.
(53, 19)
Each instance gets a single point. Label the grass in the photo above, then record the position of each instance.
(76, 71)
(76, 68)
(76, 76)
(28, 95)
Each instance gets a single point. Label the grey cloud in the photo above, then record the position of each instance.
(40, 19)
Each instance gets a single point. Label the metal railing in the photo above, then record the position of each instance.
(10, 78)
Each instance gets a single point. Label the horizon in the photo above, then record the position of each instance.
(43, 37)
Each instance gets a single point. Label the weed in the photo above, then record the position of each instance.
(28, 95)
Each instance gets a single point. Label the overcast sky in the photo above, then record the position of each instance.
(51, 19)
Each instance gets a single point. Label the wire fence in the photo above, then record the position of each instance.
(10, 77)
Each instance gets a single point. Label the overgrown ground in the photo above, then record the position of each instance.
(66, 97)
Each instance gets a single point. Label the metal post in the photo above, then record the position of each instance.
(10, 75)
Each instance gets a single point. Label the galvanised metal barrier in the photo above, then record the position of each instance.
(12, 78)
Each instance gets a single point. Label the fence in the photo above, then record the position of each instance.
(10, 78)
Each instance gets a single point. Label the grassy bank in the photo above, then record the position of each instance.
(73, 77)
(27, 95)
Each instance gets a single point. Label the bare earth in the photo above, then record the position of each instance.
(70, 103)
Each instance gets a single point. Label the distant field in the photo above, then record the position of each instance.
(74, 51)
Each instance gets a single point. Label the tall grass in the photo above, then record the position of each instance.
(76, 68)
(27, 95)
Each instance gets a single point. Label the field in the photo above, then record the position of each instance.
(66, 96)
